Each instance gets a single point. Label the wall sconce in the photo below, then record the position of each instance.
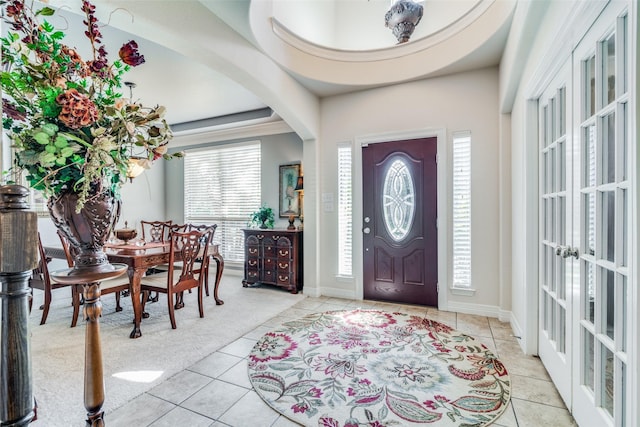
(300, 189)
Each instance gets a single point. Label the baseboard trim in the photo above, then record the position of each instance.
(477, 309)
(338, 293)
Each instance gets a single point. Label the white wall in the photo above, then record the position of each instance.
(466, 101)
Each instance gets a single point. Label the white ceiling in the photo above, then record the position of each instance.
(192, 91)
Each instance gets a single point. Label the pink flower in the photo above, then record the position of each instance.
(299, 407)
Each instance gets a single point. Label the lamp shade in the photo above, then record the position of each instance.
(299, 184)
(135, 167)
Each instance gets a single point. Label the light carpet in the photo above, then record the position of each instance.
(133, 366)
(373, 368)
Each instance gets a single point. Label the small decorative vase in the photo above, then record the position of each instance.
(402, 19)
(264, 224)
(292, 219)
(88, 229)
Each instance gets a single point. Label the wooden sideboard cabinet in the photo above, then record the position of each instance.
(273, 257)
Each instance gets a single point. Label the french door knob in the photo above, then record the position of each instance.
(570, 252)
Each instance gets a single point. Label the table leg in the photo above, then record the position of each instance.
(219, 268)
(135, 275)
(93, 374)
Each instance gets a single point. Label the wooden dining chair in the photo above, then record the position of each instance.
(109, 286)
(210, 229)
(184, 272)
(155, 231)
(41, 279)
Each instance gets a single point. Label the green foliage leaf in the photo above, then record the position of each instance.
(42, 138)
(46, 11)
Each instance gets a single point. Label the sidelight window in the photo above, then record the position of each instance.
(462, 210)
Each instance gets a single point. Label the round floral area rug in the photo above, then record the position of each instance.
(373, 368)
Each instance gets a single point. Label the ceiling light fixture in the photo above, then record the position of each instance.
(402, 18)
(137, 161)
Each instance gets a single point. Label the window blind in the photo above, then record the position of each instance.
(462, 210)
(345, 226)
(222, 186)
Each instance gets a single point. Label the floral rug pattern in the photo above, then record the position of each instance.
(373, 368)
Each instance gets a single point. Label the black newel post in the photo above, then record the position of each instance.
(18, 256)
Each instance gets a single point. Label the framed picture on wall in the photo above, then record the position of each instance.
(289, 197)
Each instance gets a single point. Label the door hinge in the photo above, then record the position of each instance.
(437, 223)
(438, 287)
(437, 158)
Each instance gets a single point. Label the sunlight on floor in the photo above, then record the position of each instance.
(139, 376)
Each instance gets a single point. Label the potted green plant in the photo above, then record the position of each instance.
(263, 217)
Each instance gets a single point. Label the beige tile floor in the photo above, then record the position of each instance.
(216, 390)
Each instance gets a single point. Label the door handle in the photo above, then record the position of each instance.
(569, 251)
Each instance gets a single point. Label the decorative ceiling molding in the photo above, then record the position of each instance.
(391, 52)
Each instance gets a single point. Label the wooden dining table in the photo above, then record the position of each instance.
(139, 259)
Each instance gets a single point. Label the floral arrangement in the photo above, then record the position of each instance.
(71, 126)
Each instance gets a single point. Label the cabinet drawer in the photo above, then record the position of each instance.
(252, 263)
(269, 264)
(253, 251)
(252, 275)
(284, 267)
(269, 276)
(270, 250)
(284, 279)
(284, 253)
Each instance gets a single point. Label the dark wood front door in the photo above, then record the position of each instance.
(400, 240)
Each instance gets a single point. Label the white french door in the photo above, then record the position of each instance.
(557, 203)
(584, 263)
(601, 374)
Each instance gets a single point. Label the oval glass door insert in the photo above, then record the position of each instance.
(398, 200)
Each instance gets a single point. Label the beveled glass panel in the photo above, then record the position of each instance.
(608, 302)
(606, 379)
(398, 200)
(589, 88)
(589, 164)
(589, 291)
(608, 149)
(608, 221)
(587, 359)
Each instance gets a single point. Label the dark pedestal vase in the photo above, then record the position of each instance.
(88, 229)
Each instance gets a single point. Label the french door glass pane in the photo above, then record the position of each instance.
(562, 220)
(590, 223)
(562, 159)
(606, 380)
(608, 302)
(588, 359)
(553, 122)
(609, 149)
(624, 237)
(554, 169)
(589, 137)
(608, 220)
(545, 312)
(624, 302)
(624, 160)
(609, 56)
(552, 322)
(590, 284)
(553, 215)
(562, 329)
(545, 127)
(562, 111)
(590, 87)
